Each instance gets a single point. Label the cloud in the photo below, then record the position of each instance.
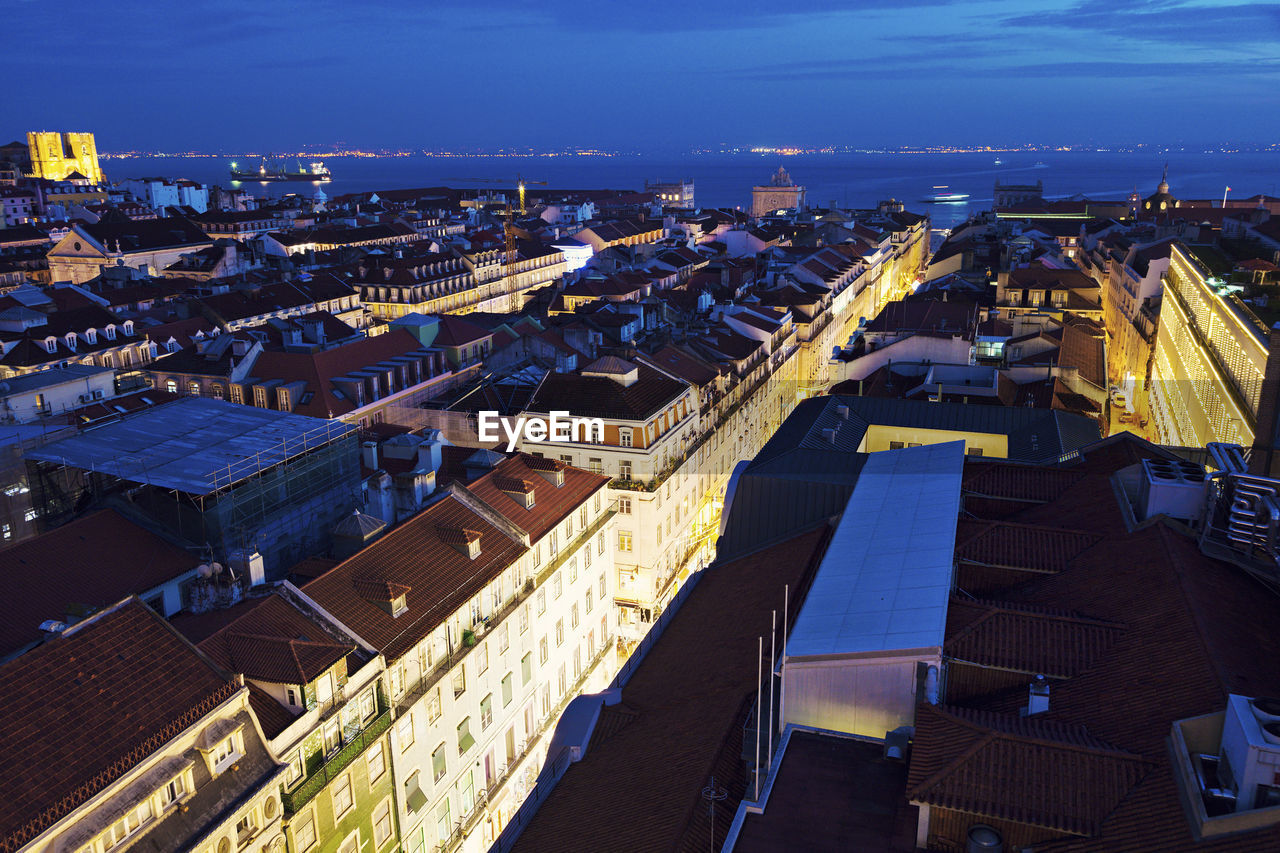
(1163, 21)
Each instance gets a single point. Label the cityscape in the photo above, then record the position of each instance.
(512, 468)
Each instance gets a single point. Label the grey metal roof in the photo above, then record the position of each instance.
(193, 444)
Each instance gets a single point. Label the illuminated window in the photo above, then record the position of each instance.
(624, 540)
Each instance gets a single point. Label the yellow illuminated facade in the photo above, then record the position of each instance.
(55, 156)
(1210, 357)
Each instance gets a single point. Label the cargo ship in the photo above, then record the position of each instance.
(945, 197)
(314, 171)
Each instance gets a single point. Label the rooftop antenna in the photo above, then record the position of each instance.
(713, 794)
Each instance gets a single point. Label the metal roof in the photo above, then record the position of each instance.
(192, 444)
(885, 580)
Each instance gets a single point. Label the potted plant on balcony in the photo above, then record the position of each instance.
(468, 637)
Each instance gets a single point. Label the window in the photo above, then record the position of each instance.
(624, 436)
(974, 451)
(223, 753)
(444, 826)
(460, 681)
(624, 540)
(542, 601)
(405, 730)
(589, 599)
(438, 763)
(526, 668)
(595, 465)
(170, 385)
(433, 705)
(486, 712)
(342, 799)
(600, 543)
(304, 833)
(557, 585)
(504, 638)
(563, 682)
(552, 547)
(127, 825)
(376, 761)
(506, 690)
(543, 650)
(546, 699)
(624, 506)
(573, 569)
(332, 736)
(524, 618)
(573, 616)
(559, 633)
(596, 503)
(382, 823)
(586, 556)
(895, 445)
(482, 658)
(172, 791)
(582, 518)
(368, 706)
(295, 768)
(624, 469)
(465, 740)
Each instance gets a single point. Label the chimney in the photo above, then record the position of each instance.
(431, 454)
(1038, 696)
(369, 455)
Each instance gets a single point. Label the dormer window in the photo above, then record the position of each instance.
(91, 336)
(110, 332)
(71, 341)
(128, 327)
(51, 344)
(400, 604)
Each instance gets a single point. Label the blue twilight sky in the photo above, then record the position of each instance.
(640, 75)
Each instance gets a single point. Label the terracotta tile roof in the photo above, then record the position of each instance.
(1021, 769)
(638, 787)
(276, 643)
(455, 535)
(455, 331)
(86, 564)
(1194, 630)
(551, 503)
(418, 555)
(83, 709)
(1022, 546)
(1025, 638)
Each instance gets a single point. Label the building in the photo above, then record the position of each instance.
(159, 193)
(676, 194)
(492, 610)
(186, 769)
(18, 205)
(262, 489)
(148, 245)
(779, 194)
(54, 391)
(1016, 195)
(64, 156)
(1211, 359)
(318, 695)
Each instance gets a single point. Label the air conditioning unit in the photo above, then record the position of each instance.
(1172, 487)
(1250, 760)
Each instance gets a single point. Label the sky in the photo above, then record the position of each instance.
(228, 75)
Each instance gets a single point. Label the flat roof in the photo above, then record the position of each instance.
(51, 376)
(192, 444)
(886, 577)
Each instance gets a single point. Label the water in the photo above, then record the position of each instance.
(849, 180)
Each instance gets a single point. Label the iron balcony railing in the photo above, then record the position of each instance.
(328, 771)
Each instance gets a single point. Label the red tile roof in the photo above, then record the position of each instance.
(551, 503)
(83, 709)
(276, 643)
(86, 564)
(417, 555)
(1022, 769)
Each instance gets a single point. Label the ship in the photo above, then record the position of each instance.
(999, 162)
(315, 171)
(945, 197)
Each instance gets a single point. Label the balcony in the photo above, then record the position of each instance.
(331, 768)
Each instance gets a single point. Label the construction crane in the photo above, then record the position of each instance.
(508, 226)
(520, 183)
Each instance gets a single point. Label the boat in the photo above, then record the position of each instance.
(945, 197)
(314, 171)
(998, 161)
(1040, 164)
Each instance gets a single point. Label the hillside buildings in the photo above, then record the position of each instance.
(779, 194)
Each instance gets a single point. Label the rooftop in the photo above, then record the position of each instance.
(886, 578)
(192, 444)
